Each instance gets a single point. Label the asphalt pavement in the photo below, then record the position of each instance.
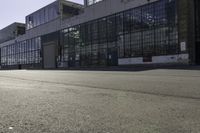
(150, 101)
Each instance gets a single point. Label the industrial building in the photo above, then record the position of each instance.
(104, 33)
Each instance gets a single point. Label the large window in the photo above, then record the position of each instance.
(42, 16)
(149, 30)
(102, 30)
(148, 16)
(111, 28)
(136, 44)
(25, 52)
(136, 24)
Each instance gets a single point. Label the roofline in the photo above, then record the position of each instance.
(17, 23)
(73, 3)
(41, 8)
(65, 1)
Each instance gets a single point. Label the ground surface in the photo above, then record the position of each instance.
(154, 101)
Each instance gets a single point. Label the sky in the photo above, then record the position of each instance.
(16, 10)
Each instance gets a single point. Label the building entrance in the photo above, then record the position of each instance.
(71, 60)
(112, 57)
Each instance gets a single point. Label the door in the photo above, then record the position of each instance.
(49, 56)
(112, 57)
(71, 60)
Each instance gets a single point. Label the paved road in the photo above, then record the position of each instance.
(154, 101)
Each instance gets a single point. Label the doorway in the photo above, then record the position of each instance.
(71, 60)
(49, 56)
(112, 57)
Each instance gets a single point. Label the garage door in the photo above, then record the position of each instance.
(49, 57)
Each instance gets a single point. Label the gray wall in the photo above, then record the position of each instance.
(9, 32)
(186, 27)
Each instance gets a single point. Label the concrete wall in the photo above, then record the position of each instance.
(7, 43)
(43, 29)
(186, 26)
(181, 58)
(9, 32)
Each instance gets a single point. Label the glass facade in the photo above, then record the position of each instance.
(25, 52)
(42, 16)
(146, 31)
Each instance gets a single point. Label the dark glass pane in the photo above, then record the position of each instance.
(127, 45)
(137, 19)
(148, 16)
(111, 29)
(102, 24)
(119, 24)
(148, 43)
(128, 15)
(136, 44)
(160, 13)
(161, 41)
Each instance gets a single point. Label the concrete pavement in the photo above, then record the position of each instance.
(154, 101)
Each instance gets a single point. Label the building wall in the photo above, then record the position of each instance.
(7, 43)
(156, 42)
(43, 29)
(10, 32)
(24, 54)
(181, 58)
(178, 34)
(43, 15)
(197, 30)
(103, 8)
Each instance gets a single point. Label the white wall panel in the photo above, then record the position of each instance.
(182, 58)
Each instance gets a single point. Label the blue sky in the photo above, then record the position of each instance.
(16, 10)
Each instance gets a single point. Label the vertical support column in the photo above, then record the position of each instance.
(85, 3)
(186, 27)
(197, 30)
